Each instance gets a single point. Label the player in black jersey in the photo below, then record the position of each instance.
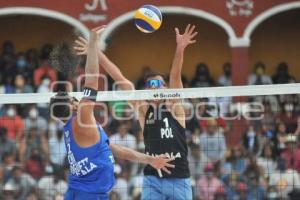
(163, 124)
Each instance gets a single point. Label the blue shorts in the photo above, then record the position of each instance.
(166, 188)
(72, 194)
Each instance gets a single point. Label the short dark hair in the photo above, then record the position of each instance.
(59, 105)
(153, 74)
(260, 65)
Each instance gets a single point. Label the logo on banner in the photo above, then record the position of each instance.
(240, 7)
(94, 11)
(166, 95)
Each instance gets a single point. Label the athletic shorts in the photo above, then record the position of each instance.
(166, 188)
(72, 194)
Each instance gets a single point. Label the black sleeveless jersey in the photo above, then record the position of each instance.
(164, 135)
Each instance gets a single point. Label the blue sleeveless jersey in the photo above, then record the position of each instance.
(91, 168)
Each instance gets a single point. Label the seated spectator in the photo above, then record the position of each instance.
(250, 140)
(21, 63)
(255, 190)
(8, 162)
(8, 86)
(252, 166)
(21, 182)
(291, 155)
(208, 110)
(259, 77)
(235, 188)
(282, 75)
(197, 160)
(289, 117)
(123, 138)
(7, 61)
(236, 163)
(34, 166)
(32, 63)
(57, 149)
(44, 87)
(30, 141)
(13, 123)
(212, 142)
(34, 120)
(21, 86)
(281, 133)
(202, 77)
(208, 185)
(192, 124)
(7, 146)
(284, 180)
(267, 161)
(287, 99)
(230, 184)
(271, 101)
(45, 69)
(268, 121)
(51, 185)
(225, 78)
(8, 48)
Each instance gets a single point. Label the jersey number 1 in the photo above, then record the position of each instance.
(166, 132)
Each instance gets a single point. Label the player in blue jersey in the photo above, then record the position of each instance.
(162, 122)
(89, 152)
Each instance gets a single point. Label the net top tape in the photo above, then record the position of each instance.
(230, 91)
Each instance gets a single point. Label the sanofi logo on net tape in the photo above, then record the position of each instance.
(166, 95)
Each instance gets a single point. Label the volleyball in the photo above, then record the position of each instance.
(148, 18)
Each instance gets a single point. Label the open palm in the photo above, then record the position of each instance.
(162, 163)
(81, 44)
(187, 38)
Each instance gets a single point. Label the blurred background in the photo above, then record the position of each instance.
(240, 42)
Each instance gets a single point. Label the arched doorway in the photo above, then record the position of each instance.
(46, 13)
(277, 40)
(30, 27)
(130, 49)
(28, 31)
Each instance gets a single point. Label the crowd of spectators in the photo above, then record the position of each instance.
(264, 165)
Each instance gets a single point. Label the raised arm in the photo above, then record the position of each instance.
(115, 73)
(175, 74)
(182, 42)
(85, 130)
(108, 65)
(86, 106)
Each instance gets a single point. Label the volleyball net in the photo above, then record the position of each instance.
(255, 125)
(184, 93)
